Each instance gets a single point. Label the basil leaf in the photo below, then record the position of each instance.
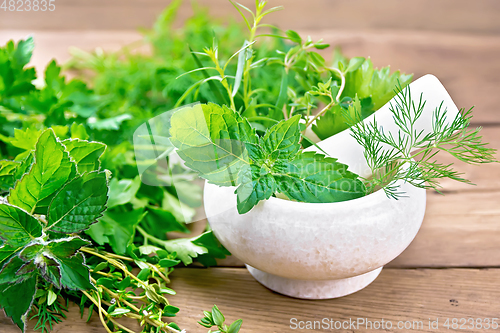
(78, 204)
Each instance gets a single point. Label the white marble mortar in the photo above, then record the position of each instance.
(326, 250)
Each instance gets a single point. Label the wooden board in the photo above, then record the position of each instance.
(479, 16)
(451, 270)
(411, 296)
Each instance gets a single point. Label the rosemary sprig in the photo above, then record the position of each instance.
(410, 154)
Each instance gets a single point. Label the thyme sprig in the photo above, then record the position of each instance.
(410, 154)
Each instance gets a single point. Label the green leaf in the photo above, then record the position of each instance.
(18, 227)
(24, 51)
(117, 228)
(119, 312)
(294, 36)
(354, 64)
(211, 140)
(86, 154)
(282, 138)
(51, 297)
(244, 54)
(7, 172)
(185, 249)
(75, 275)
(6, 252)
(144, 274)
(277, 113)
(313, 177)
(122, 191)
(160, 221)
(9, 273)
(66, 247)
(167, 263)
(254, 186)
(235, 326)
(25, 139)
(78, 204)
(24, 167)
(51, 169)
(217, 316)
(78, 131)
(209, 241)
(16, 300)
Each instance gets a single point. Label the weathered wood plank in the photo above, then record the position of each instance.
(480, 16)
(412, 295)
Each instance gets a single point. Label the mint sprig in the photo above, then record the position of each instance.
(55, 190)
(224, 149)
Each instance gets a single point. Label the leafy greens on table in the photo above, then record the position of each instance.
(77, 219)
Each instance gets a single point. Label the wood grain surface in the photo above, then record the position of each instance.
(452, 268)
(411, 296)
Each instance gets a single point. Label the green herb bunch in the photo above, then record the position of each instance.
(410, 154)
(216, 318)
(224, 149)
(55, 196)
(58, 191)
(307, 81)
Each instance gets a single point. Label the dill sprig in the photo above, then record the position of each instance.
(410, 154)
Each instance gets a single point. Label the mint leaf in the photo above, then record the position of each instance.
(7, 171)
(6, 252)
(24, 166)
(17, 227)
(283, 138)
(78, 204)
(52, 168)
(313, 177)
(254, 186)
(86, 154)
(66, 247)
(75, 275)
(9, 272)
(17, 299)
(122, 191)
(39, 257)
(211, 140)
